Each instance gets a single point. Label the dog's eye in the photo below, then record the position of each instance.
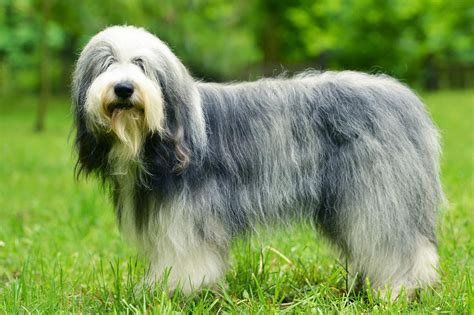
(139, 62)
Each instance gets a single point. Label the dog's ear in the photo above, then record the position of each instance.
(175, 132)
(177, 88)
(91, 150)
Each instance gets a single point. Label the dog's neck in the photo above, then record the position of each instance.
(121, 160)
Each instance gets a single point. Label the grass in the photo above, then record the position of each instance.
(60, 249)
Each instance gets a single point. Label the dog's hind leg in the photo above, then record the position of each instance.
(381, 210)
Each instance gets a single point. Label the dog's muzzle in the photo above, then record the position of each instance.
(124, 92)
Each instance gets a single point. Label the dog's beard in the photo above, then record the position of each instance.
(129, 127)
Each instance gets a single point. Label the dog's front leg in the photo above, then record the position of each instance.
(188, 264)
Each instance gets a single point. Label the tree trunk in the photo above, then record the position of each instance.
(270, 36)
(45, 83)
(431, 74)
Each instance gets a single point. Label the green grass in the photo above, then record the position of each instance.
(60, 249)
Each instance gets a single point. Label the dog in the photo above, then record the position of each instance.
(192, 165)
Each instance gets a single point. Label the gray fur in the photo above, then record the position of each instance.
(356, 154)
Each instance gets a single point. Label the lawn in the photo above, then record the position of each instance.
(60, 249)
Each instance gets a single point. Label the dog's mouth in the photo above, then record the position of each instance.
(119, 106)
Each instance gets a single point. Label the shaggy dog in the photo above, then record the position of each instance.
(192, 165)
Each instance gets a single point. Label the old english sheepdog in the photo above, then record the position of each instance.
(191, 165)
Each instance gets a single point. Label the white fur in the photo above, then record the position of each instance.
(171, 244)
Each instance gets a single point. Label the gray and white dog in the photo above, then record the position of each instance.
(192, 165)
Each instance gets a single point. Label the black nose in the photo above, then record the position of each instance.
(123, 89)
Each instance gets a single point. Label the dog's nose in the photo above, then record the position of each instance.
(123, 90)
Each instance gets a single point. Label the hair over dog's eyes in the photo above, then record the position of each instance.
(139, 62)
(110, 61)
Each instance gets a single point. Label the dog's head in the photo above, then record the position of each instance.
(128, 86)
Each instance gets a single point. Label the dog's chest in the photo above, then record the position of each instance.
(124, 173)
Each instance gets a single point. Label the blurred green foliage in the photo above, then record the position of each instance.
(423, 42)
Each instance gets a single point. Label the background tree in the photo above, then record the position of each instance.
(423, 42)
(44, 67)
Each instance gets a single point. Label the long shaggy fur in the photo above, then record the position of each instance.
(194, 164)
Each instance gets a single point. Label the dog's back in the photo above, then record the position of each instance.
(286, 140)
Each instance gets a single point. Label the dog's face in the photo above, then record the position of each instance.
(127, 86)
(124, 98)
